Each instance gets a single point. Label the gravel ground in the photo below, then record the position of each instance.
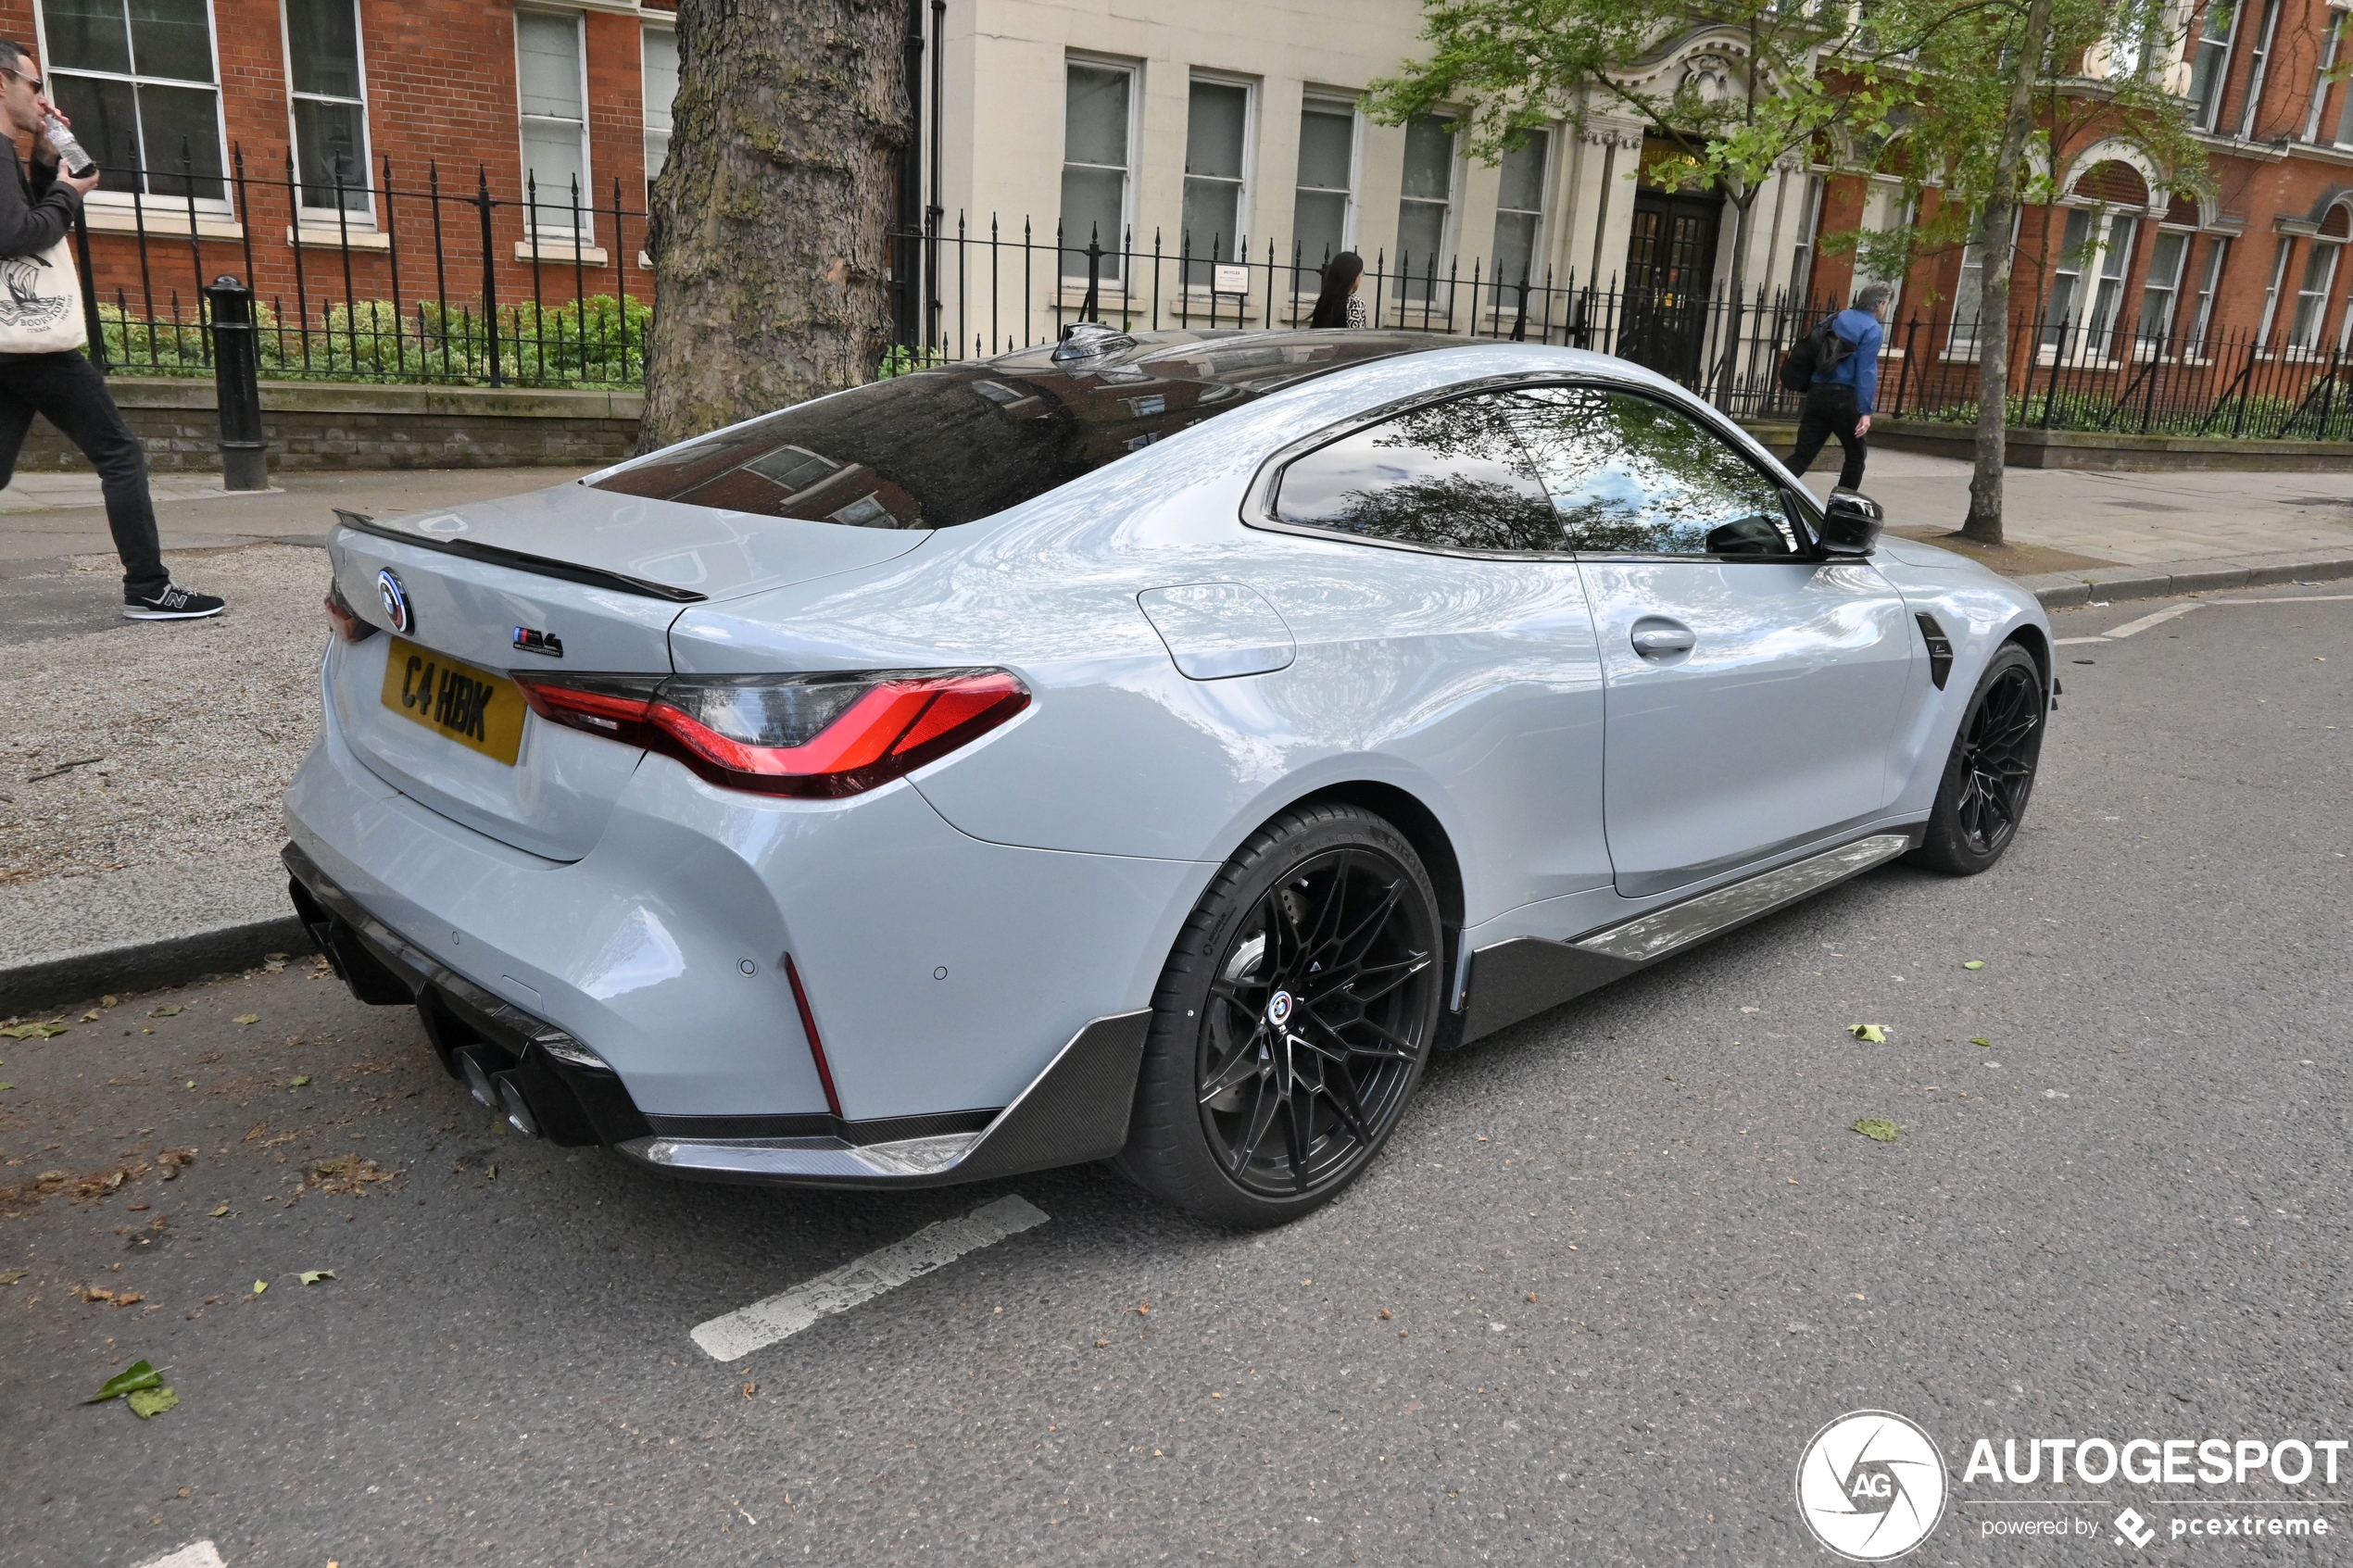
(185, 733)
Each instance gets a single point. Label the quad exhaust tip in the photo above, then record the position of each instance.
(499, 1093)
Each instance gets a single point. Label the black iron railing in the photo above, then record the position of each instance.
(398, 280)
(404, 280)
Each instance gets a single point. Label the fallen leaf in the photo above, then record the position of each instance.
(259, 1286)
(90, 1017)
(6, 1087)
(137, 1375)
(300, 1080)
(93, 1293)
(37, 1030)
(126, 1301)
(109, 1001)
(312, 1276)
(246, 1018)
(1980, 1040)
(1384, 1315)
(148, 1402)
(1877, 1129)
(1974, 963)
(1874, 1033)
(1531, 1296)
(173, 1009)
(217, 1212)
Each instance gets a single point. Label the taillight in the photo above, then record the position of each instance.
(829, 735)
(347, 620)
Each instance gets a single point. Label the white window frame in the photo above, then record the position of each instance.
(1503, 292)
(1313, 102)
(2321, 83)
(148, 203)
(563, 233)
(2304, 332)
(1890, 193)
(2205, 115)
(306, 215)
(2272, 295)
(2259, 68)
(1806, 251)
(2112, 272)
(1075, 245)
(1451, 207)
(1238, 241)
(2164, 342)
(653, 21)
(2210, 288)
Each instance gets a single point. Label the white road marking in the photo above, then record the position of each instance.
(747, 1329)
(2075, 641)
(196, 1554)
(2155, 617)
(2292, 600)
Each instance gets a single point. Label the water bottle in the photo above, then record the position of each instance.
(71, 157)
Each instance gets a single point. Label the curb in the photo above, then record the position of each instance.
(2063, 589)
(142, 966)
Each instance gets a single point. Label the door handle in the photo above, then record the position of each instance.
(1656, 637)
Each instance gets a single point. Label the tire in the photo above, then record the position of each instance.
(1268, 1081)
(1990, 771)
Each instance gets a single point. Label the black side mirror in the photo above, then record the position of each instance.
(1850, 523)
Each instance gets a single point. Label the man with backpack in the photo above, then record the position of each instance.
(1838, 365)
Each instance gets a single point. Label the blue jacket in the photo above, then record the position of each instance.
(1859, 370)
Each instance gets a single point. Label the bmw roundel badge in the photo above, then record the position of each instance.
(395, 600)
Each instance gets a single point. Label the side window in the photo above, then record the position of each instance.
(1634, 476)
(1453, 475)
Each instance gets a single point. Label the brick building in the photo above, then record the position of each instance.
(2119, 270)
(1224, 135)
(301, 142)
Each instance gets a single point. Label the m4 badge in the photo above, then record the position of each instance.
(544, 643)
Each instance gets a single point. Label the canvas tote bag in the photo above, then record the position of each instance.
(40, 303)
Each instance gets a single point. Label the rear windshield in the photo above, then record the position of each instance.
(945, 446)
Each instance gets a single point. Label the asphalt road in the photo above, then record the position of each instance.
(1618, 1266)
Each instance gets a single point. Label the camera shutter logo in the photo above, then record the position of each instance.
(1871, 1486)
(396, 601)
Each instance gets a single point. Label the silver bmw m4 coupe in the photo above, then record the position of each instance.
(1150, 747)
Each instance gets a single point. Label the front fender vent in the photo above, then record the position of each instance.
(1940, 648)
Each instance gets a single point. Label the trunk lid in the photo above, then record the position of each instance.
(598, 578)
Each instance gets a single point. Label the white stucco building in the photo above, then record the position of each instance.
(1230, 128)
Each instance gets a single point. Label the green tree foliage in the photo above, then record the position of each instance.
(1746, 95)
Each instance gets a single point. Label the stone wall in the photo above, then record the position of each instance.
(318, 425)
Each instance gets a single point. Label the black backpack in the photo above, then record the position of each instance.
(1817, 354)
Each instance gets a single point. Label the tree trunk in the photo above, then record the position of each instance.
(1984, 520)
(768, 223)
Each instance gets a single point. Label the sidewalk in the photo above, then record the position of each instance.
(176, 740)
(141, 765)
(2133, 533)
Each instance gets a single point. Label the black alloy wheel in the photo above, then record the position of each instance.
(1293, 1023)
(1990, 771)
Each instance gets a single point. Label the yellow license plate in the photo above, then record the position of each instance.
(477, 709)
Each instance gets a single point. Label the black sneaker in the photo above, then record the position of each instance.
(174, 603)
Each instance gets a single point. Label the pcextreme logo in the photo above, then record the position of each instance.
(1870, 1485)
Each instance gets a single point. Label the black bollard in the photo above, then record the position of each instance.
(236, 375)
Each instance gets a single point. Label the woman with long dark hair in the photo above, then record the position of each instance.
(1338, 305)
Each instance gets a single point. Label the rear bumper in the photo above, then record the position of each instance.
(548, 1085)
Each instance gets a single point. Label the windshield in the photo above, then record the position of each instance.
(945, 446)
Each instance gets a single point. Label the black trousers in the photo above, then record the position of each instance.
(68, 390)
(1830, 410)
